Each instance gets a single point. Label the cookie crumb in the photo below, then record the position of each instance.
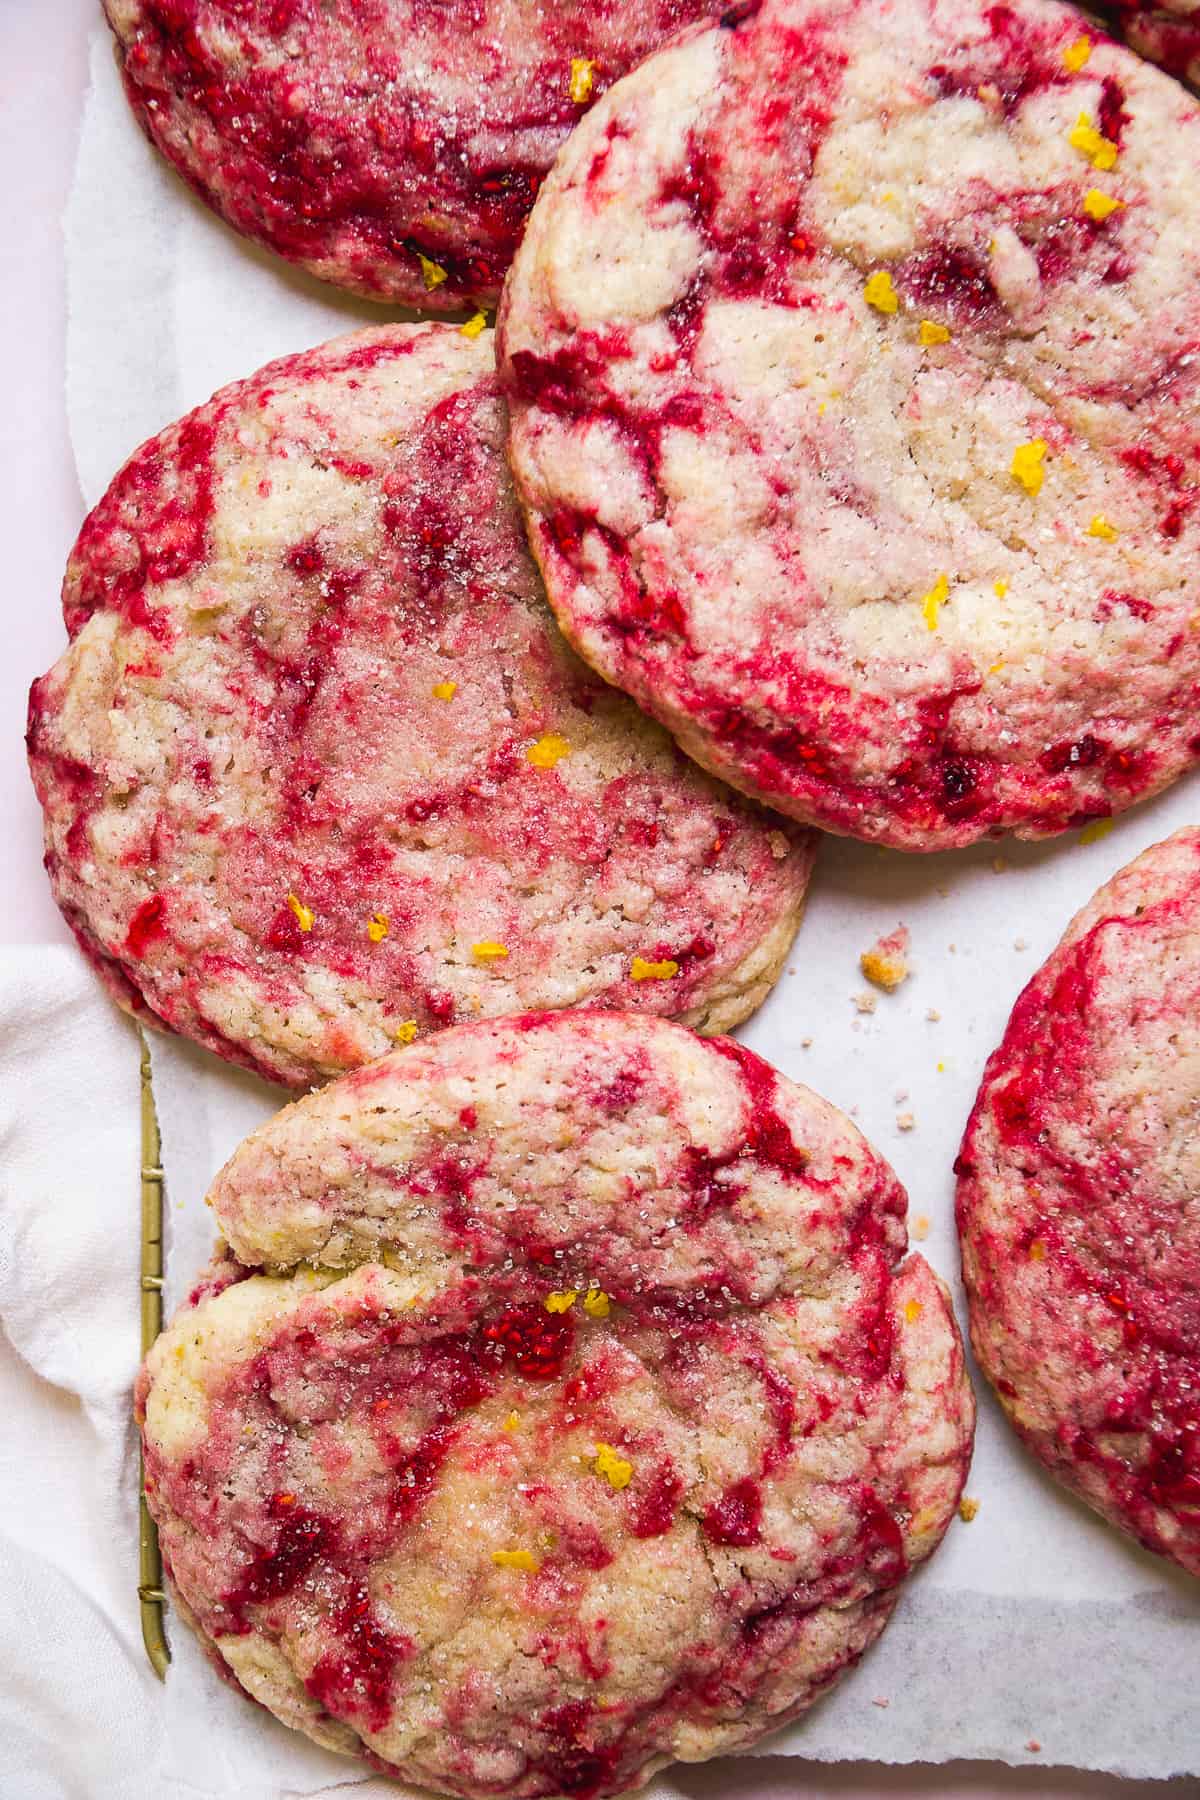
(806, 1043)
(1033, 1745)
(865, 1002)
(884, 1704)
(934, 1016)
(886, 962)
(1020, 944)
(905, 1121)
(967, 1509)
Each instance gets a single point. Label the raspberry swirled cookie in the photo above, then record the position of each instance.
(851, 353)
(1167, 31)
(1078, 1212)
(598, 1426)
(393, 147)
(318, 770)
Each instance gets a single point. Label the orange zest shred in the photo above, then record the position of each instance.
(1027, 465)
(406, 1031)
(615, 1470)
(445, 690)
(547, 751)
(561, 1301)
(432, 273)
(967, 1509)
(1000, 589)
(1100, 528)
(641, 970)
(596, 1303)
(1101, 151)
(1099, 828)
(583, 75)
(1099, 206)
(912, 1311)
(304, 915)
(513, 1422)
(1076, 55)
(880, 293)
(377, 927)
(516, 1559)
(934, 600)
(1037, 1251)
(489, 951)
(932, 333)
(474, 325)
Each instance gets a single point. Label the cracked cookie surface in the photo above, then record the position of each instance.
(852, 362)
(1079, 1205)
(391, 146)
(598, 1427)
(319, 771)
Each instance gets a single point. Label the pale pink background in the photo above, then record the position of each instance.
(42, 79)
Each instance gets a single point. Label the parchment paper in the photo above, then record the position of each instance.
(1035, 1625)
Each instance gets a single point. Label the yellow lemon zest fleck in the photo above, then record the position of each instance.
(920, 1227)
(967, 1509)
(937, 597)
(941, 1068)
(513, 1421)
(933, 333)
(305, 916)
(547, 751)
(912, 1311)
(1100, 528)
(1076, 55)
(880, 293)
(582, 75)
(1099, 828)
(821, 410)
(179, 1351)
(641, 970)
(996, 667)
(1037, 1251)
(1084, 136)
(516, 1559)
(474, 325)
(489, 951)
(445, 690)
(1098, 205)
(377, 927)
(1000, 589)
(1027, 465)
(406, 1031)
(432, 273)
(596, 1303)
(615, 1470)
(562, 1301)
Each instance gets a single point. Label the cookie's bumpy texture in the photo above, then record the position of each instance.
(598, 1428)
(854, 406)
(1078, 1205)
(318, 769)
(390, 146)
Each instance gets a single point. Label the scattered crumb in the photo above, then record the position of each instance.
(865, 1002)
(967, 1509)
(1033, 1745)
(999, 864)
(905, 1121)
(934, 1016)
(944, 892)
(882, 1703)
(806, 1043)
(886, 962)
(792, 970)
(900, 1096)
(1020, 944)
(920, 1227)
(953, 949)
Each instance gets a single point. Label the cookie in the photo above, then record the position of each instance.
(1077, 1206)
(583, 1412)
(319, 772)
(1167, 31)
(393, 147)
(854, 410)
